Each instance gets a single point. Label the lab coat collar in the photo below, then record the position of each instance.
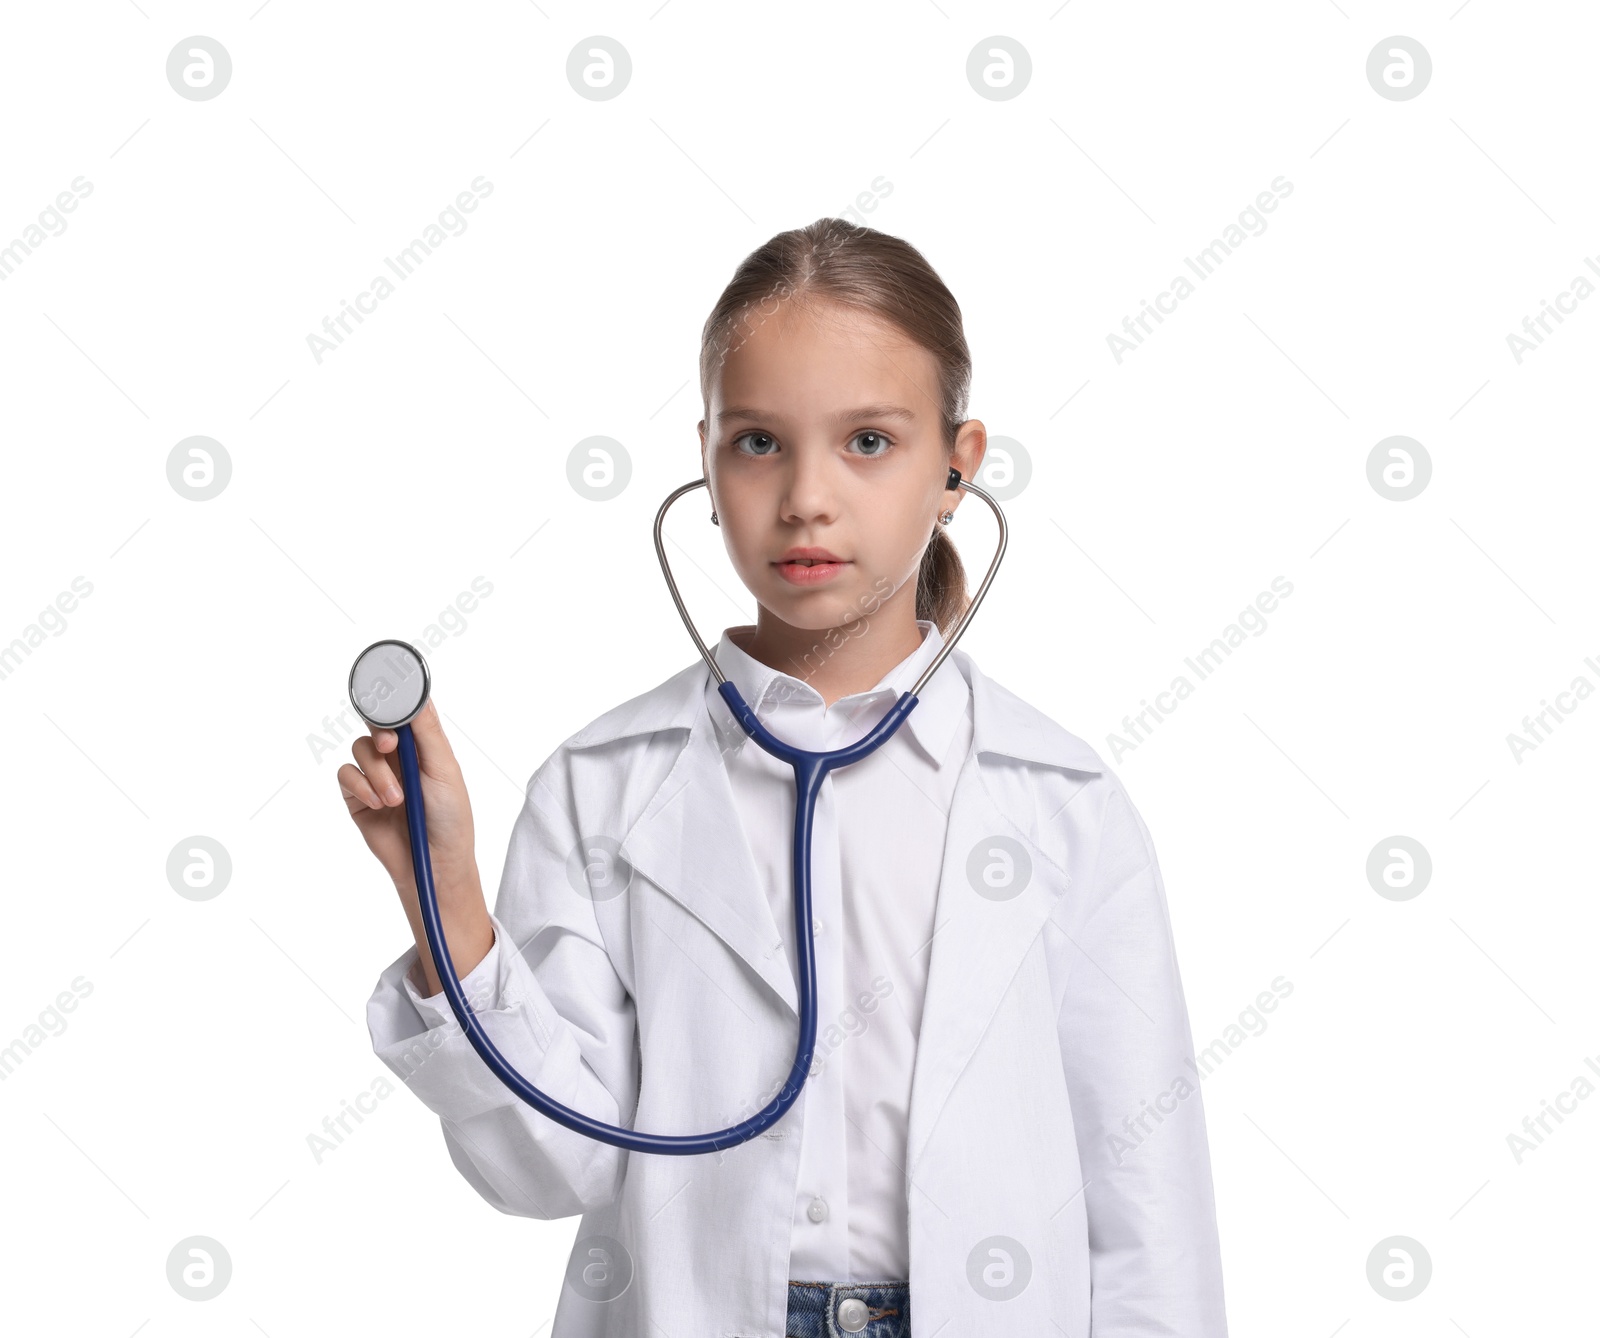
(1001, 721)
(932, 721)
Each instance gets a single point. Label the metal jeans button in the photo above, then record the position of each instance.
(852, 1314)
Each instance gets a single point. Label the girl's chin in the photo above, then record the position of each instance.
(838, 603)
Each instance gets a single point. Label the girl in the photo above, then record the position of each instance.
(1002, 1127)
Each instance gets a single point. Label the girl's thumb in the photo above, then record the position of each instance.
(432, 745)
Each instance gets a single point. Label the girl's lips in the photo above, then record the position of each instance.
(818, 573)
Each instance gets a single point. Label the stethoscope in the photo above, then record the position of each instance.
(389, 685)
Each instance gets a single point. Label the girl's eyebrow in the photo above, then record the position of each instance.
(846, 416)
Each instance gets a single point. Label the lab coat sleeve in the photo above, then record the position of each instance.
(481, 985)
(550, 1000)
(1126, 1046)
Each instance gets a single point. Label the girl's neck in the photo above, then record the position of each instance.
(835, 661)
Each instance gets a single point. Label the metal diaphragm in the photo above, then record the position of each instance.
(389, 684)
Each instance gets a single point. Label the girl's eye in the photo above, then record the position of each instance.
(766, 449)
(879, 444)
(874, 443)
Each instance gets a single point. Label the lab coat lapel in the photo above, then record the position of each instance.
(690, 843)
(980, 936)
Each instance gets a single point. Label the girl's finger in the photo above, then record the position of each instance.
(381, 775)
(356, 788)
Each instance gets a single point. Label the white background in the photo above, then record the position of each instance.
(1168, 490)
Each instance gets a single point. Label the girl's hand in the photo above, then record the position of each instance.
(375, 798)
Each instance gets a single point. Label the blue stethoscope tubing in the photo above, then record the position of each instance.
(810, 769)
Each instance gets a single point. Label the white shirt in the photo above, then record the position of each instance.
(876, 853)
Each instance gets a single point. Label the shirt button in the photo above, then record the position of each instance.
(852, 1314)
(817, 1210)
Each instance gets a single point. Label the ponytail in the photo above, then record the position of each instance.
(941, 583)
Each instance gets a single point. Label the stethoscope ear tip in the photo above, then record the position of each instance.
(389, 684)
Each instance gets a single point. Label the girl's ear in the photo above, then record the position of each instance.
(972, 442)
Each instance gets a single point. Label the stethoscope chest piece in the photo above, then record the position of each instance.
(389, 684)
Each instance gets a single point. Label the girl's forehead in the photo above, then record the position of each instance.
(831, 353)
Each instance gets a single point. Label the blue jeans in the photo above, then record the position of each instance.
(837, 1309)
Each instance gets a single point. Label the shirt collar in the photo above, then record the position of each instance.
(1002, 722)
(932, 721)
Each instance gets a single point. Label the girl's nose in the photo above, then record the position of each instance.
(810, 493)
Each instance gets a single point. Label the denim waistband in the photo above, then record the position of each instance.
(849, 1310)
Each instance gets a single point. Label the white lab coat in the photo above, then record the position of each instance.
(1059, 1179)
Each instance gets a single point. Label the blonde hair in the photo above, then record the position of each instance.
(871, 271)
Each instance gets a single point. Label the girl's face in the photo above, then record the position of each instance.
(824, 435)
